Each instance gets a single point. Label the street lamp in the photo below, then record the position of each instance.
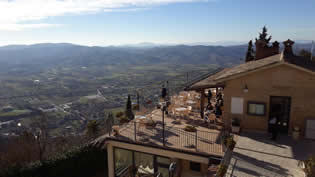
(164, 107)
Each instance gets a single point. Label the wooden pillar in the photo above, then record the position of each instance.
(110, 161)
(202, 103)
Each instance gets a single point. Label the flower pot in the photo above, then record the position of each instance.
(224, 148)
(295, 135)
(236, 129)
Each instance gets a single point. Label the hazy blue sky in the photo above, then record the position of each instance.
(113, 22)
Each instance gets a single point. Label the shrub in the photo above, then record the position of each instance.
(310, 166)
(123, 120)
(236, 122)
(225, 138)
(119, 114)
(222, 170)
(77, 162)
(116, 130)
(230, 143)
(190, 128)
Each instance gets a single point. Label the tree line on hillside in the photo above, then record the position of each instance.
(33, 150)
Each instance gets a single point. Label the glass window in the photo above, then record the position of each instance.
(195, 166)
(255, 108)
(164, 171)
(144, 163)
(163, 160)
(123, 160)
(163, 165)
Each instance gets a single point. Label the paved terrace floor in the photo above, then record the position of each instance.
(257, 155)
(208, 139)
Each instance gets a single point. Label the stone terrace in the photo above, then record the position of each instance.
(205, 141)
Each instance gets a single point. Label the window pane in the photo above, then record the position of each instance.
(252, 108)
(144, 163)
(256, 108)
(260, 109)
(123, 160)
(195, 166)
(163, 160)
(163, 171)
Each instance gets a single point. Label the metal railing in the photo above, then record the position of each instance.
(200, 141)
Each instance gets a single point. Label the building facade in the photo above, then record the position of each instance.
(280, 86)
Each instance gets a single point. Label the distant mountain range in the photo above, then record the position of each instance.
(217, 43)
(48, 55)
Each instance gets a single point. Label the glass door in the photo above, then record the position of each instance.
(280, 109)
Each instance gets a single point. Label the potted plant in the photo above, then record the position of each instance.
(224, 141)
(222, 170)
(230, 143)
(296, 132)
(123, 119)
(190, 128)
(116, 130)
(310, 166)
(236, 125)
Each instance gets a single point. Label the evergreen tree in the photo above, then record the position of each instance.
(93, 128)
(129, 114)
(264, 34)
(250, 52)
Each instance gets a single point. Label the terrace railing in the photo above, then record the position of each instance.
(174, 137)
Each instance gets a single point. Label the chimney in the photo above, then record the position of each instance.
(288, 47)
(263, 50)
(275, 46)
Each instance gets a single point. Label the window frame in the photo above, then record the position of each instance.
(256, 103)
(155, 162)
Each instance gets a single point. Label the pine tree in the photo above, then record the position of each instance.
(129, 113)
(264, 34)
(250, 52)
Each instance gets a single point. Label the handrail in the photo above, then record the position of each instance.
(202, 77)
(203, 141)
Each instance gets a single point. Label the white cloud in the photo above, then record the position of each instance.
(126, 9)
(16, 12)
(19, 27)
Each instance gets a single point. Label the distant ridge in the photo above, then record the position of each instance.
(48, 55)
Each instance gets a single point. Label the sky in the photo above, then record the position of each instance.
(117, 22)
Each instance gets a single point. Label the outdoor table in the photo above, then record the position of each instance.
(190, 102)
(140, 117)
(181, 109)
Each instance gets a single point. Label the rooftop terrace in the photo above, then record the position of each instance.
(204, 140)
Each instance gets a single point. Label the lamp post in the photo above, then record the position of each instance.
(163, 124)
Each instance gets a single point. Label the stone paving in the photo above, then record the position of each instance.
(257, 155)
(208, 141)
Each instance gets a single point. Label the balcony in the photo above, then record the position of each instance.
(204, 140)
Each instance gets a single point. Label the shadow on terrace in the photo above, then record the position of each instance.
(183, 127)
